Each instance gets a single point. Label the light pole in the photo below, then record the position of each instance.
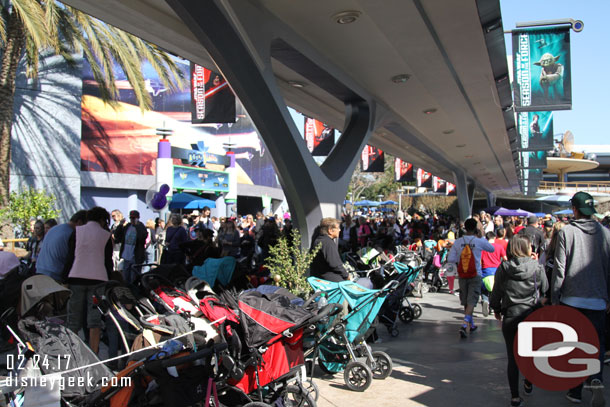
(399, 199)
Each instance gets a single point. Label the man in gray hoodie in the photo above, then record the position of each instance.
(580, 278)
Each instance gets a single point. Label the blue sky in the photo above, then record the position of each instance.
(590, 61)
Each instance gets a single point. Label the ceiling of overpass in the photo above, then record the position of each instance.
(440, 44)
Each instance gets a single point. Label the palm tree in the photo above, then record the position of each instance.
(28, 27)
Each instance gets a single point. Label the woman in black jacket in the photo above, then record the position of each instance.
(519, 287)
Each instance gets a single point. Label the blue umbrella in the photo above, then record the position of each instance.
(188, 201)
(390, 202)
(366, 202)
(564, 212)
(512, 212)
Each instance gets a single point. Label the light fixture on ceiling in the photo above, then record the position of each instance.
(402, 78)
(506, 109)
(430, 111)
(346, 17)
(448, 131)
(296, 84)
(460, 145)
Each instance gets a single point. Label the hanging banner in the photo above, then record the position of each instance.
(403, 171)
(373, 159)
(438, 184)
(451, 191)
(533, 159)
(424, 179)
(535, 130)
(320, 138)
(212, 100)
(542, 73)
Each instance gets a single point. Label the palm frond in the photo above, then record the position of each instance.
(3, 18)
(31, 14)
(52, 16)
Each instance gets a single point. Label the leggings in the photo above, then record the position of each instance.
(509, 330)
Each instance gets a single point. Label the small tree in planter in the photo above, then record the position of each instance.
(288, 264)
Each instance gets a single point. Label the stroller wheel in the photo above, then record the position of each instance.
(297, 396)
(312, 388)
(417, 311)
(393, 332)
(257, 404)
(383, 365)
(406, 314)
(357, 376)
(432, 289)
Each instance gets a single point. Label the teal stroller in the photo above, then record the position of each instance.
(341, 344)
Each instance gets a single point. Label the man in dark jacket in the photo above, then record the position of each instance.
(132, 237)
(580, 278)
(327, 264)
(534, 234)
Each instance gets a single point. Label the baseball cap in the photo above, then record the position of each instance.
(584, 203)
(134, 214)
(548, 223)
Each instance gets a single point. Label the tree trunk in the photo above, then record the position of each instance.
(8, 72)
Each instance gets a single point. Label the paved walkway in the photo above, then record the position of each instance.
(434, 367)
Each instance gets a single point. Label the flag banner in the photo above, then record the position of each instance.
(424, 179)
(320, 138)
(373, 159)
(533, 159)
(451, 190)
(403, 171)
(536, 130)
(212, 100)
(542, 73)
(438, 184)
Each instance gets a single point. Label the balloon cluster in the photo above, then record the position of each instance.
(159, 200)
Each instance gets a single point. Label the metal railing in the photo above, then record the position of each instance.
(599, 186)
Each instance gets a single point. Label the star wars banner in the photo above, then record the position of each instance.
(438, 185)
(212, 100)
(536, 130)
(533, 159)
(320, 138)
(542, 72)
(451, 191)
(373, 159)
(403, 171)
(424, 179)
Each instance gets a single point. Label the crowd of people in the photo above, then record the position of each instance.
(529, 261)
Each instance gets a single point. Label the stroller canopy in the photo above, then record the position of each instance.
(40, 288)
(364, 303)
(216, 269)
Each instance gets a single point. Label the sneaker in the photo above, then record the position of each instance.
(597, 388)
(516, 403)
(473, 328)
(463, 333)
(573, 398)
(485, 306)
(527, 388)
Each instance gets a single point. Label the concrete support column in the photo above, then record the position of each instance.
(465, 194)
(242, 41)
(491, 200)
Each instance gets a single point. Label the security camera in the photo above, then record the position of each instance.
(578, 26)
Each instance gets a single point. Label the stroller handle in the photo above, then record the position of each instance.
(328, 310)
(190, 358)
(311, 299)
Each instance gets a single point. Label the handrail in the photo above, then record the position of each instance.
(599, 186)
(9, 244)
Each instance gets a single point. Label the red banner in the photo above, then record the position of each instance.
(424, 179)
(403, 171)
(320, 138)
(451, 191)
(373, 159)
(212, 100)
(438, 184)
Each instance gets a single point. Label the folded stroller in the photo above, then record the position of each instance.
(342, 346)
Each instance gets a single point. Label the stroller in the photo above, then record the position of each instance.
(46, 347)
(342, 346)
(397, 305)
(265, 334)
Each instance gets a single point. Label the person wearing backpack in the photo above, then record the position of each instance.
(466, 253)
